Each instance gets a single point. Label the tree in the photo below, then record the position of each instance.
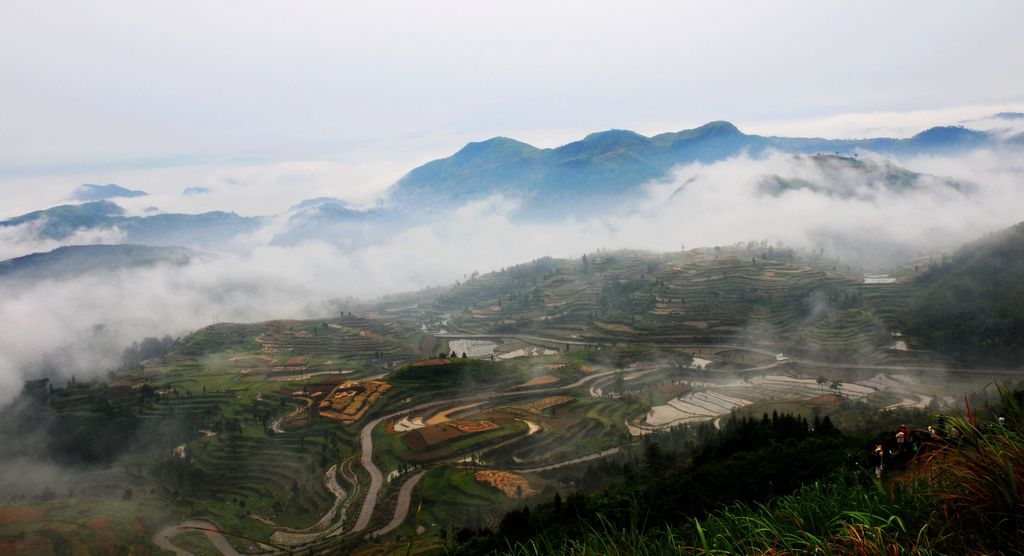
(822, 381)
(620, 383)
(837, 385)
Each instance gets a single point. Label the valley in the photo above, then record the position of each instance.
(409, 416)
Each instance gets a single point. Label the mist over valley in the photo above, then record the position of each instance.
(511, 279)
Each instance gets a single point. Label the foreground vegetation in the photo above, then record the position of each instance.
(958, 494)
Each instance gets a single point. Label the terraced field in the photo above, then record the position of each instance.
(732, 295)
(566, 360)
(693, 408)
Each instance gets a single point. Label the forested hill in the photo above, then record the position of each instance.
(972, 307)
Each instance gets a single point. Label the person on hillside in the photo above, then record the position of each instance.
(878, 460)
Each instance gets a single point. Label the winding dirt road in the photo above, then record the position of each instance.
(162, 538)
(366, 438)
(326, 526)
(568, 462)
(762, 351)
(401, 505)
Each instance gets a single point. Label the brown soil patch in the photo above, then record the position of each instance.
(429, 363)
(538, 406)
(350, 400)
(105, 537)
(442, 416)
(702, 324)
(470, 427)
(29, 544)
(514, 486)
(587, 368)
(432, 435)
(540, 380)
(17, 514)
(98, 523)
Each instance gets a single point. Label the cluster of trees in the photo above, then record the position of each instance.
(748, 460)
(148, 348)
(620, 296)
(972, 308)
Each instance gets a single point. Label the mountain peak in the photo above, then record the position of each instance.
(948, 136)
(495, 147)
(711, 130)
(616, 135)
(716, 128)
(93, 192)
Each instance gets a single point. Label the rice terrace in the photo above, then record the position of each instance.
(497, 279)
(317, 434)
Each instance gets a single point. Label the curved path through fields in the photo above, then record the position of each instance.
(762, 351)
(366, 438)
(162, 538)
(401, 506)
(574, 461)
(326, 526)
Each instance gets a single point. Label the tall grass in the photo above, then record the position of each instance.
(603, 538)
(979, 480)
(963, 497)
(851, 515)
(848, 515)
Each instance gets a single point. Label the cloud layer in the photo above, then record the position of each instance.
(93, 317)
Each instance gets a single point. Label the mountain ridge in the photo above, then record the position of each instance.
(607, 164)
(93, 192)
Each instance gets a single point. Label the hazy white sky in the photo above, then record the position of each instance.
(332, 98)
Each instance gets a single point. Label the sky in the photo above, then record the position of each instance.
(268, 103)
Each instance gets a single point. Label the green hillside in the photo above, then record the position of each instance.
(972, 307)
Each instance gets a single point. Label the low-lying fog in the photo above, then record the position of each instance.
(83, 323)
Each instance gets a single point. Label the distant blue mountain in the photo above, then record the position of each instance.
(210, 228)
(196, 190)
(1010, 115)
(75, 260)
(948, 137)
(599, 173)
(332, 221)
(91, 192)
(602, 167)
